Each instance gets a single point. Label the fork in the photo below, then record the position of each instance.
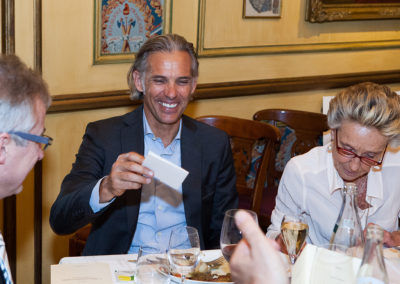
(216, 262)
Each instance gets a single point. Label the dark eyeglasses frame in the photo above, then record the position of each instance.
(350, 154)
(43, 139)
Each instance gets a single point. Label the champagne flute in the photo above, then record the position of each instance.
(230, 233)
(184, 250)
(294, 232)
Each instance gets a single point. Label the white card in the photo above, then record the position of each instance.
(81, 273)
(317, 265)
(165, 171)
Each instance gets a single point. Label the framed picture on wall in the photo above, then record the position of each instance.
(319, 11)
(121, 27)
(262, 8)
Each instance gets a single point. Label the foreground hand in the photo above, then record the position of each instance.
(127, 173)
(391, 239)
(256, 259)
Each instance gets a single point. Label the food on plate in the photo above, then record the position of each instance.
(204, 272)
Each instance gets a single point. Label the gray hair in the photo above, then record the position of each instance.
(20, 88)
(370, 105)
(160, 43)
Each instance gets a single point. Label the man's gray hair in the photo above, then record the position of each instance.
(370, 105)
(20, 88)
(160, 43)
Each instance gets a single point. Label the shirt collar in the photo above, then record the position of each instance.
(148, 131)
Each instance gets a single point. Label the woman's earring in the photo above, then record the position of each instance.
(377, 168)
(330, 148)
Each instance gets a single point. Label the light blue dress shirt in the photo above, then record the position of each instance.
(161, 207)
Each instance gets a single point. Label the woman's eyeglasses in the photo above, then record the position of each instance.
(350, 154)
(44, 141)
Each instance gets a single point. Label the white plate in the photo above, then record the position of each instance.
(205, 256)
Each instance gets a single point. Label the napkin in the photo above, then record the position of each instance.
(165, 171)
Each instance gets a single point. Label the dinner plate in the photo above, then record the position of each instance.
(205, 256)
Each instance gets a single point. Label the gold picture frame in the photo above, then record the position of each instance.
(121, 28)
(319, 11)
(262, 8)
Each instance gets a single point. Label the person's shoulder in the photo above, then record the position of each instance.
(205, 129)
(316, 158)
(114, 122)
(392, 157)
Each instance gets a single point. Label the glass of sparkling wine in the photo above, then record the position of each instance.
(230, 233)
(184, 250)
(294, 232)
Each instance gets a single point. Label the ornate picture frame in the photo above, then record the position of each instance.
(262, 8)
(319, 11)
(121, 27)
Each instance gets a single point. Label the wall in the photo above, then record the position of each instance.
(68, 69)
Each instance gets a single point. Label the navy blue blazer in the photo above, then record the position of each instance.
(208, 191)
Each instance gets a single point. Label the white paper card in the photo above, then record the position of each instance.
(82, 273)
(165, 171)
(319, 265)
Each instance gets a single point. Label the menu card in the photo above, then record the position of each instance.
(165, 171)
(81, 273)
(317, 265)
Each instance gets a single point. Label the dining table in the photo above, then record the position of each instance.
(109, 269)
(117, 269)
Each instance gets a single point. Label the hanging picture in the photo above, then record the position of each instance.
(122, 26)
(262, 8)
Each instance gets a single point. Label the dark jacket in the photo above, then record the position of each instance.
(208, 191)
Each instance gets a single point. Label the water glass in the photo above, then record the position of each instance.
(184, 250)
(152, 265)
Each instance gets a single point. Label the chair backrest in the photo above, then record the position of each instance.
(305, 132)
(300, 131)
(253, 144)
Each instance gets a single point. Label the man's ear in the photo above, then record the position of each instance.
(138, 81)
(194, 85)
(4, 140)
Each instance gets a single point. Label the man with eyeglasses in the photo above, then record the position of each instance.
(365, 129)
(24, 99)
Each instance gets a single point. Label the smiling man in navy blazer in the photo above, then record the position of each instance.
(109, 187)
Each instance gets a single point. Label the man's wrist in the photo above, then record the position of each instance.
(105, 194)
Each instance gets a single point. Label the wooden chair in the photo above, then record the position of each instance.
(300, 131)
(253, 144)
(78, 240)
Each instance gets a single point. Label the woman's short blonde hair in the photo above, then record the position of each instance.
(370, 105)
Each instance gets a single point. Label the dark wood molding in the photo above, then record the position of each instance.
(38, 179)
(8, 26)
(10, 203)
(119, 98)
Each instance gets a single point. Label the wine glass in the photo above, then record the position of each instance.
(184, 250)
(294, 232)
(230, 233)
(152, 265)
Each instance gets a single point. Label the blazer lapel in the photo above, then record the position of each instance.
(132, 140)
(191, 161)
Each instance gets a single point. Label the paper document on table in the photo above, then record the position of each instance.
(81, 273)
(165, 171)
(317, 265)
